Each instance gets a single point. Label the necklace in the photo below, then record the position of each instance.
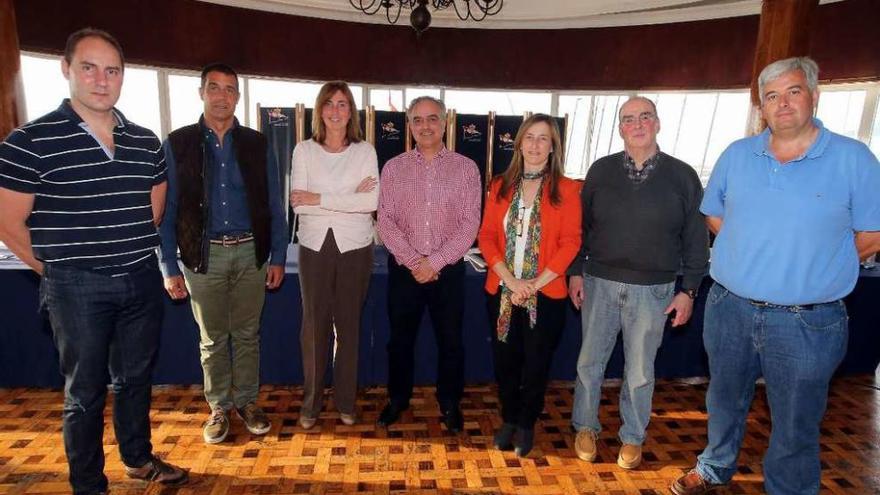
(335, 149)
(534, 175)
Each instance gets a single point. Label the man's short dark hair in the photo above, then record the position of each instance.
(77, 36)
(221, 68)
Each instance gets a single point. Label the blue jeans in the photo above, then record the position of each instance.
(636, 311)
(796, 351)
(102, 323)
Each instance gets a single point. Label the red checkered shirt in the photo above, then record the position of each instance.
(429, 209)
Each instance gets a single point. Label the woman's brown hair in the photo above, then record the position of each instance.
(555, 163)
(353, 133)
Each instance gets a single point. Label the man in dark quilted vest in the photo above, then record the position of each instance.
(224, 213)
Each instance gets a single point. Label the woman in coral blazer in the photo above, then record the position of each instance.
(531, 232)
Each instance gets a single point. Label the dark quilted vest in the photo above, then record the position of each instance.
(193, 173)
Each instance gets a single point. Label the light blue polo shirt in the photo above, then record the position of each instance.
(788, 230)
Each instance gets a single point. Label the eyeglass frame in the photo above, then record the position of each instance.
(642, 118)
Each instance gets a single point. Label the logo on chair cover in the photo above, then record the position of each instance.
(505, 141)
(470, 134)
(278, 119)
(389, 132)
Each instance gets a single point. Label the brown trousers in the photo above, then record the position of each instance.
(334, 286)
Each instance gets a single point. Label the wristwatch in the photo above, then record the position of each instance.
(691, 293)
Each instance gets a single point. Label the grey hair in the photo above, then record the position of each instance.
(808, 66)
(420, 99)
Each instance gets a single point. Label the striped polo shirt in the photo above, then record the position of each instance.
(90, 210)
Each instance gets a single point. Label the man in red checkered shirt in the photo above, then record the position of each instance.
(429, 214)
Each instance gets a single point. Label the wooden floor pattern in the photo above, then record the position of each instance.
(420, 456)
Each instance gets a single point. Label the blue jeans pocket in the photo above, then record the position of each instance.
(662, 291)
(826, 318)
(716, 294)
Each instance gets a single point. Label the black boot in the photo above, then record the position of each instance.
(504, 437)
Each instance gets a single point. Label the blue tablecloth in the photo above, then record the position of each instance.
(28, 357)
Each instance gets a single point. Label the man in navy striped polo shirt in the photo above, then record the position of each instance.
(81, 192)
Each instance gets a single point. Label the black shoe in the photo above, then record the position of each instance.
(523, 441)
(391, 413)
(504, 437)
(453, 420)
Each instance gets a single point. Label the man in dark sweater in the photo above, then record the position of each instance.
(641, 226)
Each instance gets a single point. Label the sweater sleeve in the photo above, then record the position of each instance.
(694, 237)
(577, 265)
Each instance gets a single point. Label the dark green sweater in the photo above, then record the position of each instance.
(643, 233)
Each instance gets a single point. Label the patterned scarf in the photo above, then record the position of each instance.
(530, 258)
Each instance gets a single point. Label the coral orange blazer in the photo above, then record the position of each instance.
(560, 234)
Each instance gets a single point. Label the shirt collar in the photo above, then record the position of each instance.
(816, 149)
(207, 131)
(651, 160)
(440, 154)
(67, 110)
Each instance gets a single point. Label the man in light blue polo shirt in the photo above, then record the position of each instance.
(794, 209)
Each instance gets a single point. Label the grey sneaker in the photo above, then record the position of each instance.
(348, 419)
(217, 426)
(255, 420)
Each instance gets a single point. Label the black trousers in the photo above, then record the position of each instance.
(407, 300)
(522, 363)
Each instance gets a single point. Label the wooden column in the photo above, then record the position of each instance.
(784, 32)
(12, 110)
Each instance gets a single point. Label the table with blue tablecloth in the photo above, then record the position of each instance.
(28, 357)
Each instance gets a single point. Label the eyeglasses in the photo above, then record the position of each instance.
(643, 117)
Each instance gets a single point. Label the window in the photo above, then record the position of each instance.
(139, 100)
(413, 93)
(604, 137)
(273, 92)
(696, 126)
(500, 102)
(875, 136)
(389, 100)
(44, 84)
(841, 110)
(577, 137)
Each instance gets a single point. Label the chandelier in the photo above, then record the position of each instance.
(420, 18)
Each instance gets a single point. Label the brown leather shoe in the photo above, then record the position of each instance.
(585, 445)
(630, 456)
(693, 484)
(158, 471)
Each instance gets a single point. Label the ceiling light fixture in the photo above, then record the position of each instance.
(420, 18)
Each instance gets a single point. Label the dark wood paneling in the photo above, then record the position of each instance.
(846, 42)
(187, 34)
(12, 109)
(784, 31)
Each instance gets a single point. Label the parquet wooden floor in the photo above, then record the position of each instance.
(419, 456)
